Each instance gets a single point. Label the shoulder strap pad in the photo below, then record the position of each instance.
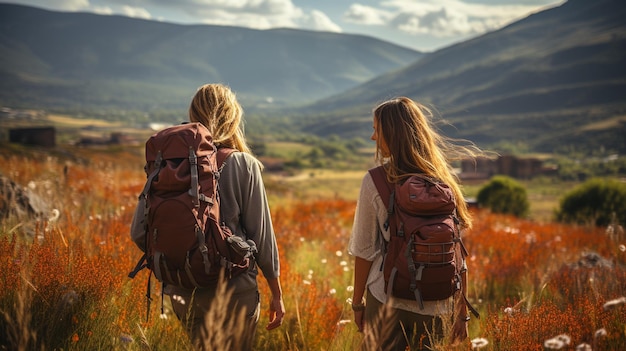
(382, 185)
(386, 192)
(222, 155)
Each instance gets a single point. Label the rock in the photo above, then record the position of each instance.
(592, 260)
(19, 202)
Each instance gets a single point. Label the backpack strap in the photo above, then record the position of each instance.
(382, 185)
(194, 191)
(222, 155)
(385, 190)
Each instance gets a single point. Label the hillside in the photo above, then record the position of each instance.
(78, 60)
(554, 80)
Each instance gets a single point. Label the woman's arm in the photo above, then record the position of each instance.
(257, 223)
(364, 245)
(361, 272)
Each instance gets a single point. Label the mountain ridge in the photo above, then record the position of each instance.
(555, 80)
(44, 49)
(559, 69)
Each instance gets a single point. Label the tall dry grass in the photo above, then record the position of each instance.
(64, 285)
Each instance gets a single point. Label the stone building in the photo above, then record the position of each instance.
(512, 166)
(39, 136)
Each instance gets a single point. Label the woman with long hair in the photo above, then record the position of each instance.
(245, 210)
(407, 144)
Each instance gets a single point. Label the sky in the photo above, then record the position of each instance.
(425, 25)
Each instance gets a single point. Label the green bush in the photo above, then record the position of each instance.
(503, 194)
(597, 201)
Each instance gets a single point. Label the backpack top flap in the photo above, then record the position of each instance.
(418, 195)
(174, 142)
(422, 196)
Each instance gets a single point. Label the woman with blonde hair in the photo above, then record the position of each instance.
(406, 144)
(245, 210)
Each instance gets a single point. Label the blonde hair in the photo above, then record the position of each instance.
(415, 147)
(217, 108)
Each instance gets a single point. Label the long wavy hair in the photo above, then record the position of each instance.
(217, 108)
(407, 143)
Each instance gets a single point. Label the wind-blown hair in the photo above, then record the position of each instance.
(415, 147)
(216, 106)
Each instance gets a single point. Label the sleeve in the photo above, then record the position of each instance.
(249, 215)
(365, 241)
(137, 226)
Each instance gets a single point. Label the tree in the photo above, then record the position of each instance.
(597, 201)
(503, 194)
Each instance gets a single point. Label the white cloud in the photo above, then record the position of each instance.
(318, 20)
(442, 23)
(367, 15)
(63, 5)
(136, 12)
(441, 18)
(102, 10)
(259, 14)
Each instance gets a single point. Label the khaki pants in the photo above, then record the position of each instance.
(214, 322)
(392, 329)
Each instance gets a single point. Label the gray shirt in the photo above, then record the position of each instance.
(246, 211)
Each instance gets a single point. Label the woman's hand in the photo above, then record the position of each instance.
(359, 320)
(277, 313)
(361, 272)
(277, 307)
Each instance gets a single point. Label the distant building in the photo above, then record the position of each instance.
(39, 136)
(115, 138)
(512, 166)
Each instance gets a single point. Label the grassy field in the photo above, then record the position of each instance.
(521, 276)
(286, 150)
(72, 122)
(64, 284)
(543, 194)
(330, 182)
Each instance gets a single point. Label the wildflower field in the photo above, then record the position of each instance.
(64, 284)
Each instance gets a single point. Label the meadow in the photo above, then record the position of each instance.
(64, 286)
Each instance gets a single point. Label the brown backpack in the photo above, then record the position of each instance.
(425, 257)
(185, 243)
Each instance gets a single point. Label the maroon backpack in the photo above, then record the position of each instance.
(424, 258)
(186, 243)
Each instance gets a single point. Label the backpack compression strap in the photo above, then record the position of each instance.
(144, 194)
(143, 261)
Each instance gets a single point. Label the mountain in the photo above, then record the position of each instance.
(56, 59)
(553, 80)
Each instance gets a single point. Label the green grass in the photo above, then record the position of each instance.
(286, 150)
(543, 194)
(323, 183)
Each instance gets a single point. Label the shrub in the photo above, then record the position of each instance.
(597, 201)
(505, 195)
